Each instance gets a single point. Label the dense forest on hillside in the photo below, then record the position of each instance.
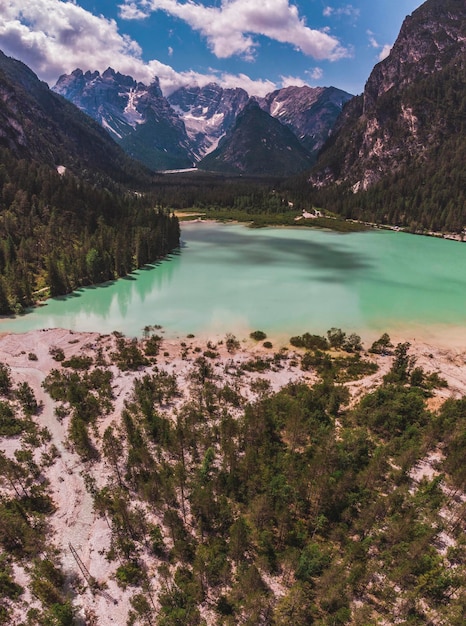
(57, 232)
(228, 503)
(427, 191)
(425, 197)
(204, 191)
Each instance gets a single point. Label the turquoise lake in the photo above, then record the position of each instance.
(230, 278)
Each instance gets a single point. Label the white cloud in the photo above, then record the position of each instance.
(254, 87)
(372, 40)
(229, 29)
(387, 48)
(316, 73)
(348, 10)
(54, 37)
(170, 51)
(130, 11)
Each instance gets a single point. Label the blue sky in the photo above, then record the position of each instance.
(260, 45)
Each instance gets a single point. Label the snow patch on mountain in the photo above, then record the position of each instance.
(131, 113)
(109, 128)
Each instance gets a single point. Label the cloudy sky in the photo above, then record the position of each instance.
(256, 44)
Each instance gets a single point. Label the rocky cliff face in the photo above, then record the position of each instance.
(310, 112)
(208, 113)
(399, 119)
(258, 145)
(138, 117)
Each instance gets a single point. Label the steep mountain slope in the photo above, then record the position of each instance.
(138, 117)
(208, 113)
(36, 123)
(412, 104)
(259, 145)
(310, 112)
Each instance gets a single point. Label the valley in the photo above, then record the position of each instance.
(254, 416)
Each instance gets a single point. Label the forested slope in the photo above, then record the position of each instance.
(427, 193)
(58, 232)
(38, 124)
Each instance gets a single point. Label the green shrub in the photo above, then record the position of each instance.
(382, 345)
(231, 343)
(8, 587)
(5, 380)
(27, 399)
(310, 342)
(210, 354)
(9, 424)
(78, 362)
(129, 574)
(152, 346)
(57, 353)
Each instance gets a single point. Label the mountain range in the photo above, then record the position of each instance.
(179, 131)
(394, 154)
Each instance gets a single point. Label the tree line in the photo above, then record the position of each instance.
(58, 232)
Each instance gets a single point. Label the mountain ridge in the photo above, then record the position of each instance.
(309, 112)
(123, 107)
(178, 131)
(259, 145)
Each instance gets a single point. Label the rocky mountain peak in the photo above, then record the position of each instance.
(310, 112)
(137, 116)
(399, 120)
(428, 39)
(259, 145)
(208, 113)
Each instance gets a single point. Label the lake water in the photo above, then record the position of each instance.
(230, 278)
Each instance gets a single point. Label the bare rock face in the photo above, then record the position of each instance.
(399, 119)
(310, 112)
(208, 113)
(432, 37)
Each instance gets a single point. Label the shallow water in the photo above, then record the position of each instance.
(229, 278)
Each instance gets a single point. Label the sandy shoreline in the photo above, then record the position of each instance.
(436, 346)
